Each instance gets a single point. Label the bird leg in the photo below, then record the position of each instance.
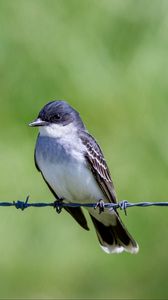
(58, 205)
(100, 205)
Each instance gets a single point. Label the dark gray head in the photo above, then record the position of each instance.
(58, 112)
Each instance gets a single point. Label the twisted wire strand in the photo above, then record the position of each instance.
(58, 205)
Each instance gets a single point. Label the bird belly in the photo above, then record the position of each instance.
(69, 178)
(72, 181)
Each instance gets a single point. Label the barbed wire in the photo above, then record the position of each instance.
(58, 205)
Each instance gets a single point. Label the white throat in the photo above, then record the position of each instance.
(58, 130)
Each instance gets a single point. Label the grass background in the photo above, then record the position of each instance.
(108, 59)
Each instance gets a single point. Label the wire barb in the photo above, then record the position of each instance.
(123, 205)
(21, 204)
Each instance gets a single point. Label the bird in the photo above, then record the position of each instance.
(73, 166)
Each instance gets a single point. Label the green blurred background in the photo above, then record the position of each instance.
(108, 59)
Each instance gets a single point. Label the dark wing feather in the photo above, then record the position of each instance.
(75, 212)
(98, 165)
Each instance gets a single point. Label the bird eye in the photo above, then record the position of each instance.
(55, 118)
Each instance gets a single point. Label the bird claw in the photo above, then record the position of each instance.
(100, 205)
(58, 205)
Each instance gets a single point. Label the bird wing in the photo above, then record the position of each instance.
(98, 166)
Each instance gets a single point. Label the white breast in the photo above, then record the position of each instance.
(66, 170)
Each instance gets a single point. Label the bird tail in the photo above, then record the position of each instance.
(114, 238)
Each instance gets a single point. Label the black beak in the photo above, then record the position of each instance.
(38, 122)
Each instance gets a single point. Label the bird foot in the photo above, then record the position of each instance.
(100, 206)
(58, 205)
